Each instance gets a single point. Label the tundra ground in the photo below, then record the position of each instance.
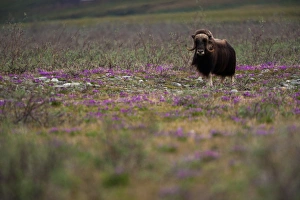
(114, 111)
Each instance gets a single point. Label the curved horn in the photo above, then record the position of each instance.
(206, 32)
(210, 46)
(194, 47)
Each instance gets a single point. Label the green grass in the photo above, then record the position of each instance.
(139, 124)
(246, 13)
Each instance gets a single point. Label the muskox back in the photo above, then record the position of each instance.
(224, 58)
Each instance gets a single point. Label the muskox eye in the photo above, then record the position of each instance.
(204, 40)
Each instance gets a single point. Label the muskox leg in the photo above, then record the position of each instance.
(232, 80)
(222, 79)
(210, 83)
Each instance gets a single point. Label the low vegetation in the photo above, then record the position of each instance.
(115, 111)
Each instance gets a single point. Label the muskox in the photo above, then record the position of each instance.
(213, 56)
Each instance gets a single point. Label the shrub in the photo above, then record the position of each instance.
(26, 167)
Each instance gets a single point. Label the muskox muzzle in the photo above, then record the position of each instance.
(200, 52)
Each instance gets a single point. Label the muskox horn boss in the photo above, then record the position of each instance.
(203, 31)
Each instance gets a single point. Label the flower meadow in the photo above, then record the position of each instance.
(89, 127)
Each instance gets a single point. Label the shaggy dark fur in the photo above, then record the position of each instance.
(213, 56)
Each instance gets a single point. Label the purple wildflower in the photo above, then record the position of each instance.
(123, 94)
(292, 128)
(86, 72)
(107, 101)
(90, 102)
(162, 98)
(237, 119)
(236, 100)
(115, 118)
(215, 133)
(176, 101)
(262, 130)
(97, 114)
(283, 67)
(238, 76)
(205, 95)
(159, 69)
(167, 114)
(248, 94)
(179, 133)
(20, 104)
(245, 67)
(71, 130)
(208, 155)
(54, 130)
(2, 102)
(297, 111)
(45, 73)
(225, 98)
(136, 99)
(124, 111)
(186, 173)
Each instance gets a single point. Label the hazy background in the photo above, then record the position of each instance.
(33, 10)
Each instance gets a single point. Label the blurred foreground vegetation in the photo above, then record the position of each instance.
(110, 108)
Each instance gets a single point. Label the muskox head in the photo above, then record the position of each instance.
(203, 42)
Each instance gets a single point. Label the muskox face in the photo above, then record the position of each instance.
(203, 44)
